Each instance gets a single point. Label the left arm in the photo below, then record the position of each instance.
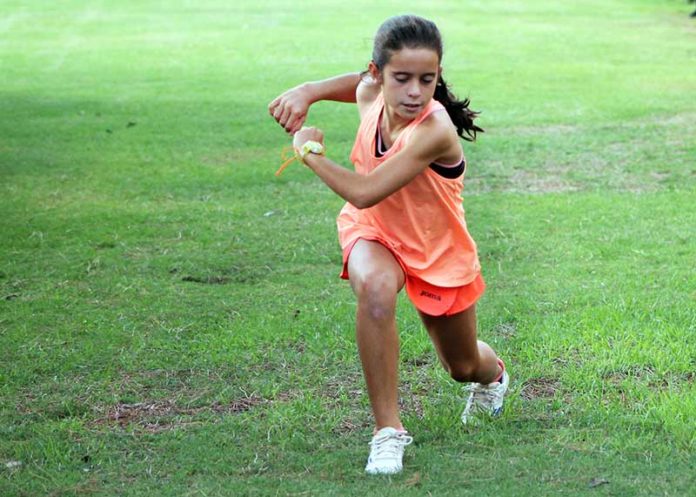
(429, 142)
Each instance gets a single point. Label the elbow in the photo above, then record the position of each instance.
(364, 194)
(363, 201)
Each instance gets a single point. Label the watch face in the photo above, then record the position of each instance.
(313, 147)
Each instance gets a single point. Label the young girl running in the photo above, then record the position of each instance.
(403, 223)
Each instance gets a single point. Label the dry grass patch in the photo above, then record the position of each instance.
(166, 414)
(539, 388)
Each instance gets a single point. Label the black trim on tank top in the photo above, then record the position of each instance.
(450, 172)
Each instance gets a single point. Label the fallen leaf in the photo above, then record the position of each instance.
(596, 482)
(414, 481)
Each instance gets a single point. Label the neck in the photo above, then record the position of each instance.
(392, 122)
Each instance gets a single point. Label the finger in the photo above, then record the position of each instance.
(292, 129)
(272, 106)
(285, 117)
(278, 110)
(295, 124)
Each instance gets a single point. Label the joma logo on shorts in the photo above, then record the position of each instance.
(425, 293)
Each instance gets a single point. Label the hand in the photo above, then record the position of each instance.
(290, 108)
(305, 134)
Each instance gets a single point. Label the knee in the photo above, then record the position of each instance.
(376, 296)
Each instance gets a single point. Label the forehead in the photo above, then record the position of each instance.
(414, 60)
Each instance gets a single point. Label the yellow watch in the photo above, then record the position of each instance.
(310, 147)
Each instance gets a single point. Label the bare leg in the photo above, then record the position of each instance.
(376, 278)
(464, 357)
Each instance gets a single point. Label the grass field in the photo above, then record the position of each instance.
(171, 320)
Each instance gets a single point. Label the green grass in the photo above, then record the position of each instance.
(171, 321)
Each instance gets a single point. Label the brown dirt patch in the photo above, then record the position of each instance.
(539, 388)
(348, 426)
(647, 375)
(166, 414)
(505, 330)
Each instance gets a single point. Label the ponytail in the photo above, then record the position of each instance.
(458, 110)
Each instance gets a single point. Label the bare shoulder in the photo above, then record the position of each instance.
(440, 136)
(366, 94)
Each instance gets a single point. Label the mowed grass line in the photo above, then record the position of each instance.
(171, 321)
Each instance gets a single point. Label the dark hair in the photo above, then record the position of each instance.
(416, 32)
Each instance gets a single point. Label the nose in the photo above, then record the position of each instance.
(414, 90)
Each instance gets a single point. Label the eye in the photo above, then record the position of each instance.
(401, 78)
(427, 80)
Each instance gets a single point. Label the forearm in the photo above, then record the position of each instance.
(290, 108)
(431, 140)
(338, 89)
(347, 184)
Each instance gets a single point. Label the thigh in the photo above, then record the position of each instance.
(454, 336)
(371, 264)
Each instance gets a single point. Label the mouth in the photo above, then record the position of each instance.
(411, 107)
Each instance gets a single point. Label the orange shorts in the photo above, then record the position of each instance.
(429, 299)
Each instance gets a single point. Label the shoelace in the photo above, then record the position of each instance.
(388, 445)
(483, 394)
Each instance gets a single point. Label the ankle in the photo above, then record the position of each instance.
(501, 372)
(397, 426)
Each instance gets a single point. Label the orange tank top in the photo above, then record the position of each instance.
(423, 222)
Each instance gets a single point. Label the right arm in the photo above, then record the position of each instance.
(290, 108)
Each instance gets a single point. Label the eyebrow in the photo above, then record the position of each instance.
(405, 73)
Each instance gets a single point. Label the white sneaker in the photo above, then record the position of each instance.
(387, 451)
(486, 400)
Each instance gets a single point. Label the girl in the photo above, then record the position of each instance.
(403, 223)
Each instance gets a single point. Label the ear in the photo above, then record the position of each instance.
(374, 72)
